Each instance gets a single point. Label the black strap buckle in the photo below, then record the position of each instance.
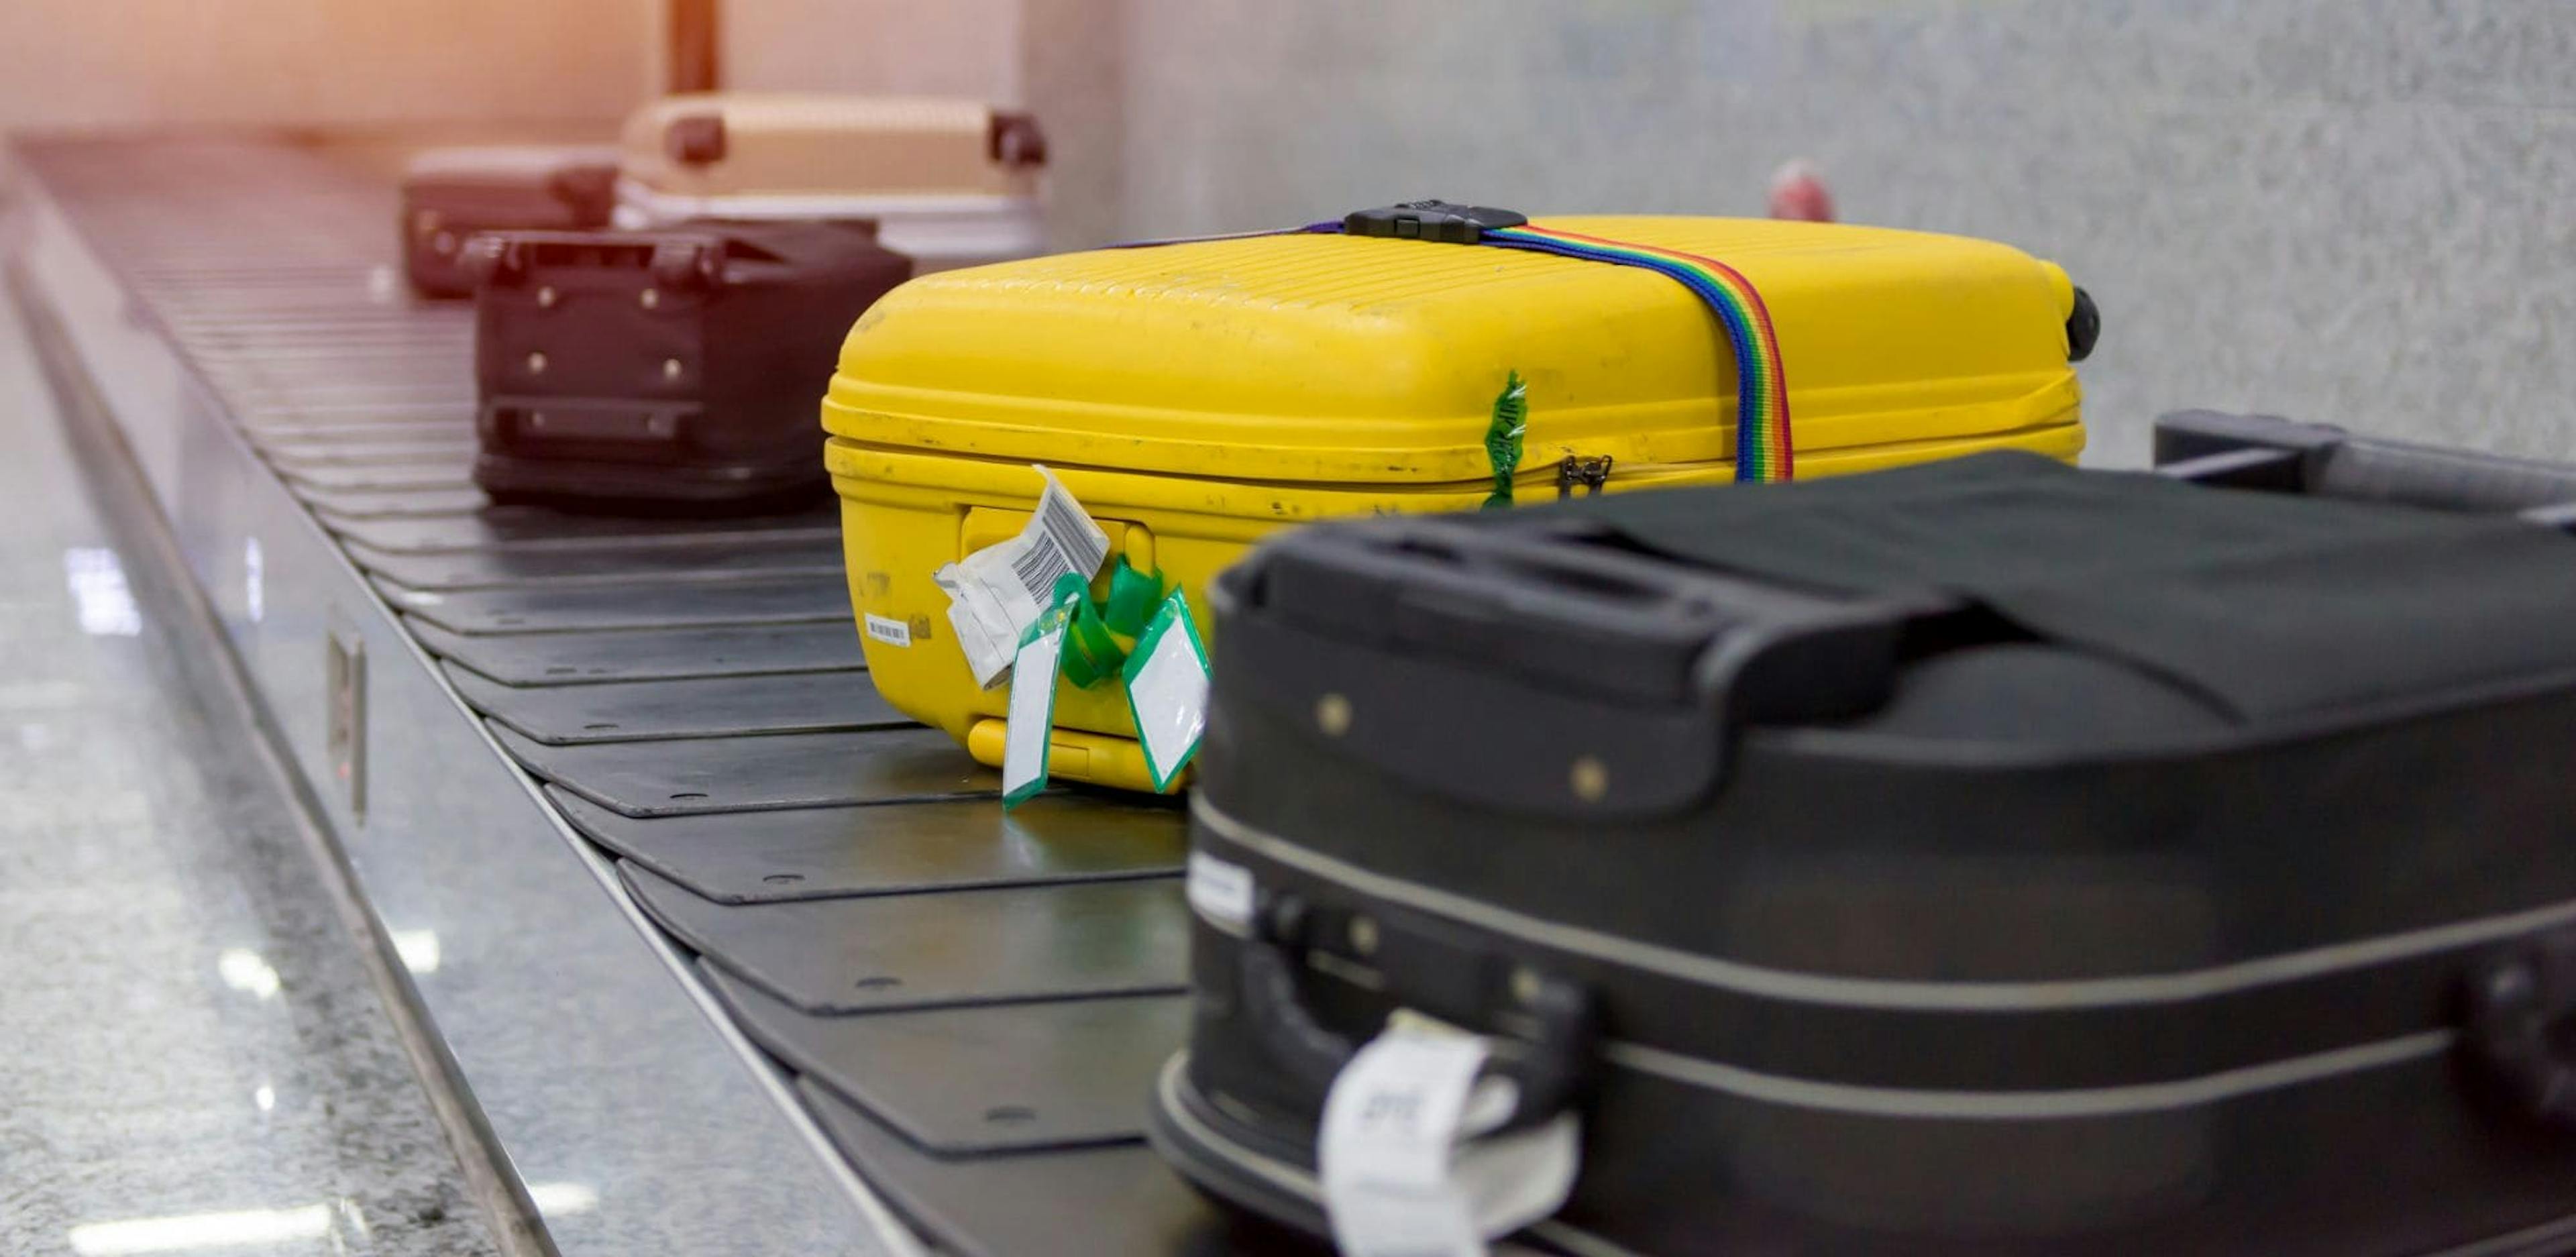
(1442, 222)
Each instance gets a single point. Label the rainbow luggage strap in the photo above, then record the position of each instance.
(1762, 449)
(1764, 453)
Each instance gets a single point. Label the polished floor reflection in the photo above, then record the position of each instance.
(191, 1056)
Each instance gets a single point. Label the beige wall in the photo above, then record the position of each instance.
(894, 47)
(91, 63)
(86, 63)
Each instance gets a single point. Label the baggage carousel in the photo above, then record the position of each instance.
(720, 949)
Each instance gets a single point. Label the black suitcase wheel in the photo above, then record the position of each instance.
(2522, 1026)
(2083, 327)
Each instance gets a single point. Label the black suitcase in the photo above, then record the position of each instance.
(674, 367)
(449, 194)
(1983, 857)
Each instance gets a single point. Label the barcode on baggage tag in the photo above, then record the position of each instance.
(1068, 544)
(1039, 568)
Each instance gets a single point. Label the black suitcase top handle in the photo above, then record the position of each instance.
(1586, 618)
(1651, 665)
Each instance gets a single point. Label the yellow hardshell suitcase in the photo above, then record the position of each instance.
(1195, 395)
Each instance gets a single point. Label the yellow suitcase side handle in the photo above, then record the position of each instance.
(1073, 755)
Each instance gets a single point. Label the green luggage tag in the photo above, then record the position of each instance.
(1035, 668)
(1167, 691)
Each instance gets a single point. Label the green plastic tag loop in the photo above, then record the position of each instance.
(1132, 598)
(1091, 655)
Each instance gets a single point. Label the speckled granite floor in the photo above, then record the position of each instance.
(192, 1057)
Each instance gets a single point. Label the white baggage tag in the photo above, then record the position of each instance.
(995, 593)
(1026, 737)
(1401, 1174)
(982, 627)
(1167, 690)
(1514, 1180)
(1389, 1125)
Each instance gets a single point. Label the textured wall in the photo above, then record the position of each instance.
(2355, 210)
(84, 63)
(1073, 62)
(895, 47)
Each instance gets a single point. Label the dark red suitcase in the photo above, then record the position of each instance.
(671, 367)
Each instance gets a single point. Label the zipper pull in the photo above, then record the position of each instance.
(1591, 473)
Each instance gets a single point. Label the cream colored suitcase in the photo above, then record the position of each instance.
(948, 182)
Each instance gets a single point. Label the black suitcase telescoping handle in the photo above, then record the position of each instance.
(2269, 452)
(2445, 479)
(1548, 1028)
